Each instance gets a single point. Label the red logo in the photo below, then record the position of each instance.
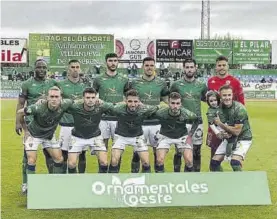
(150, 49)
(174, 44)
(119, 48)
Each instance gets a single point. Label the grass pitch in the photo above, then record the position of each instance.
(262, 156)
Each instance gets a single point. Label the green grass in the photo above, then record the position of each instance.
(262, 156)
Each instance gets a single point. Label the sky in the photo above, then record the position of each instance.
(251, 20)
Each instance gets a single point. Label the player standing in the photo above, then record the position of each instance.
(31, 90)
(193, 91)
(111, 87)
(152, 91)
(72, 88)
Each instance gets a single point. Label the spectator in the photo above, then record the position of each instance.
(97, 68)
(129, 69)
(263, 80)
(135, 69)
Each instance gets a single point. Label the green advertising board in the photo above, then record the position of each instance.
(251, 51)
(206, 51)
(58, 49)
(57, 191)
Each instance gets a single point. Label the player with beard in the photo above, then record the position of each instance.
(72, 88)
(111, 87)
(86, 132)
(173, 131)
(129, 130)
(32, 90)
(221, 78)
(152, 91)
(193, 91)
(237, 125)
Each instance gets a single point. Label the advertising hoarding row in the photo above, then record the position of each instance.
(90, 49)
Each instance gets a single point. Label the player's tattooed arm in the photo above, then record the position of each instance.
(192, 117)
(233, 130)
(194, 127)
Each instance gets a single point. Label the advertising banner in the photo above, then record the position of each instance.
(173, 50)
(14, 51)
(134, 50)
(260, 90)
(260, 95)
(146, 190)
(10, 89)
(274, 52)
(251, 52)
(206, 51)
(59, 49)
(11, 85)
(259, 86)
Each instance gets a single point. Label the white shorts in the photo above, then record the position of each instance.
(32, 143)
(77, 145)
(241, 148)
(165, 142)
(107, 128)
(197, 138)
(64, 138)
(149, 132)
(139, 143)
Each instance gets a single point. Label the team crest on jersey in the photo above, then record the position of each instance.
(171, 126)
(228, 82)
(213, 81)
(181, 118)
(131, 124)
(149, 95)
(112, 90)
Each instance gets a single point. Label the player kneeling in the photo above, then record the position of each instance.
(174, 119)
